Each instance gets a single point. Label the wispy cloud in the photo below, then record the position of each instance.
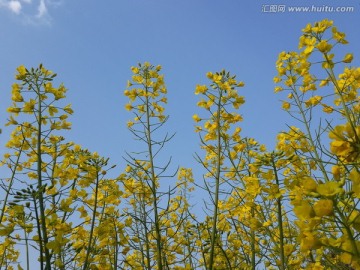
(42, 9)
(14, 6)
(31, 11)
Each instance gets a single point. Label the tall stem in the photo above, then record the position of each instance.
(217, 187)
(153, 184)
(40, 180)
(310, 137)
(86, 263)
(10, 183)
(280, 222)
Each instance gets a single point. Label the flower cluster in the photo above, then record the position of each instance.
(146, 92)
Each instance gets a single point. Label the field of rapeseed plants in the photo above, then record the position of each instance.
(295, 207)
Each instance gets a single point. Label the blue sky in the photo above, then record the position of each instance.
(91, 45)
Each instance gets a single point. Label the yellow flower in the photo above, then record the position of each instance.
(65, 125)
(324, 208)
(21, 72)
(239, 100)
(307, 41)
(323, 46)
(130, 124)
(52, 191)
(253, 186)
(200, 89)
(277, 79)
(68, 109)
(16, 95)
(304, 210)
(320, 27)
(344, 142)
(209, 75)
(278, 89)
(327, 108)
(128, 107)
(329, 189)
(217, 78)
(52, 110)
(348, 58)
(29, 106)
(290, 81)
(13, 110)
(338, 36)
(355, 178)
(254, 224)
(309, 241)
(196, 118)
(288, 249)
(307, 29)
(354, 220)
(323, 83)
(309, 184)
(240, 84)
(135, 70)
(335, 170)
(313, 101)
(346, 258)
(308, 50)
(286, 105)
(138, 79)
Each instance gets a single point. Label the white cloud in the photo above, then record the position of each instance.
(42, 9)
(31, 11)
(14, 6)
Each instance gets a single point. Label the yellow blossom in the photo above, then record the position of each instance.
(309, 241)
(348, 58)
(324, 208)
(323, 46)
(329, 189)
(321, 26)
(278, 89)
(288, 249)
(22, 72)
(355, 179)
(128, 107)
(304, 210)
(313, 101)
(309, 184)
(327, 108)
(286, 105)
(201, 89)
(338, 36)
(196, 118)
(135, 70)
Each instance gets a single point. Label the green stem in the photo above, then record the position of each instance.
(86, 262)
(38, 227)
(332, 76)
(253, 251)
(159, 254)
(26, 248)
(280, 221)
(147, 244)
(40, 181)
(11, 183)
(217, 187)
(310, 137)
